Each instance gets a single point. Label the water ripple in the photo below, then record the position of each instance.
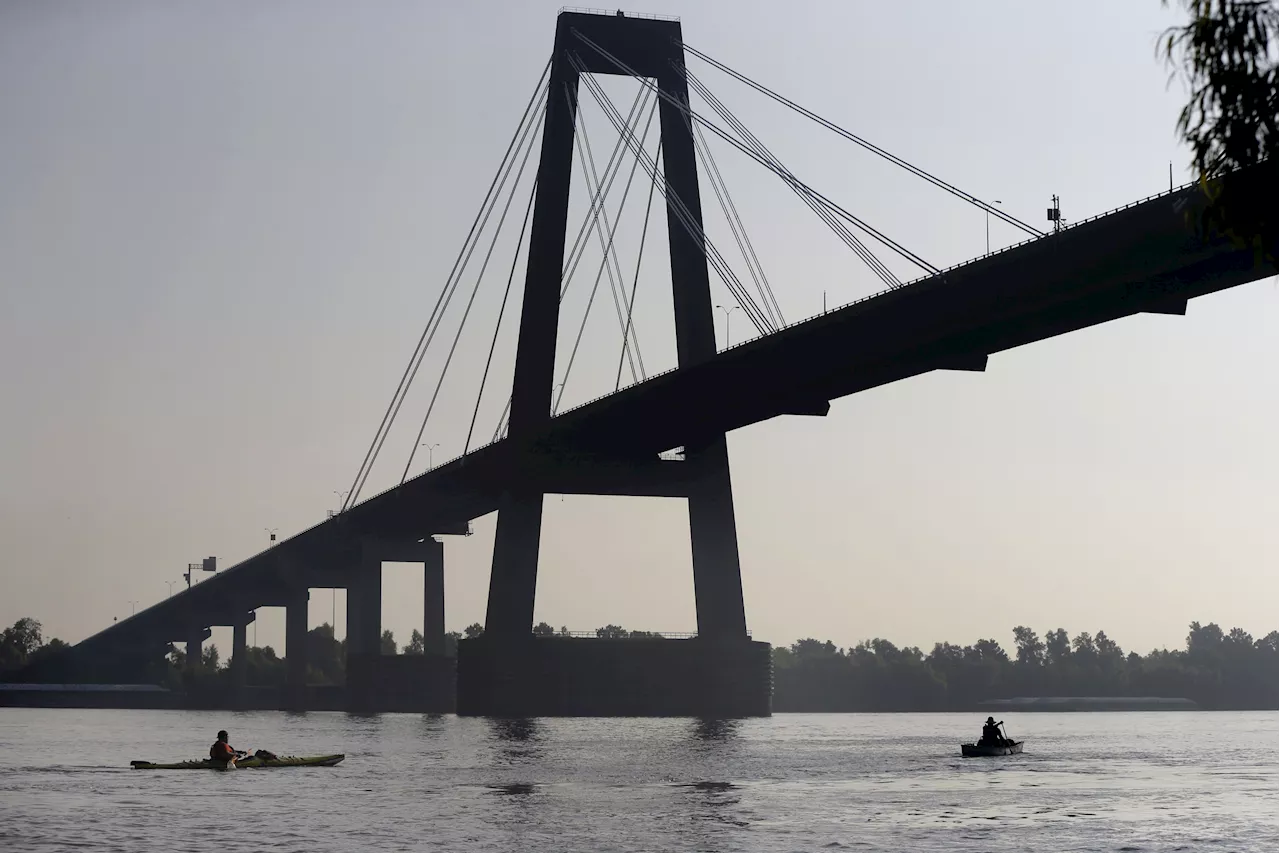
(1089, 782)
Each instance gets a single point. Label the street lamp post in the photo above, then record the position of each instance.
(727, 312)
(994, 201)
(171, 583)
(430, 455)
(271, 531)
(133, 607)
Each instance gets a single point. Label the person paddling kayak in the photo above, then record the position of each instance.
(221, 750)
(223, 753)
(991, 734)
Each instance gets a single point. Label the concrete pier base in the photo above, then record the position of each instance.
(573, 677)
(421, 684)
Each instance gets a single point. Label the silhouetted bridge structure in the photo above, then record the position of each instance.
(1144, 258)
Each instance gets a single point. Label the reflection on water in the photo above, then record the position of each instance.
(515, 738)
(1088, 782)
(433, 725)
(513, 788)
(715, 730)
(513, 728)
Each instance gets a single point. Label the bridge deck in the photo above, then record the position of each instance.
(1145, 257)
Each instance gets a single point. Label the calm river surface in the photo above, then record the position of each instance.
(1088, 782)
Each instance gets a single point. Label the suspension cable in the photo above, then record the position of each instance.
(539, 93)
(839, 228)
(826, 209)
(589, 166)
(612, 168)
(444, 371)
(631, 303)
(875, 149)
(739, 231)
(604, 262)
(502, 420)
(675, 205)
(684, 108)
(529, 128)
(528, 211)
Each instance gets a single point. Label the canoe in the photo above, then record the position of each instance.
(976, 750)
(247, 763)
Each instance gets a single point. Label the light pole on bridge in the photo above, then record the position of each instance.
(994, 201)
(430, 454)
(133, 607)
(727, 312)
(171, 583)
(271, 531)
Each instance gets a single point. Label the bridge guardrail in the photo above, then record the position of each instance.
(583, 10)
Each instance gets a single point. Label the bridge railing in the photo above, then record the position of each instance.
(582, 10)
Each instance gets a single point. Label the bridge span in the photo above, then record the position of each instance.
(1148, 257)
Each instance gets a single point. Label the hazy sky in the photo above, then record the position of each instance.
(224, 225)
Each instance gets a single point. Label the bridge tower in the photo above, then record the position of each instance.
(654, 49)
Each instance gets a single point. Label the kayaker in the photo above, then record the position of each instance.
(221, 750)
(991, 733)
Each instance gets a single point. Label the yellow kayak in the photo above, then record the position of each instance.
(247, 763)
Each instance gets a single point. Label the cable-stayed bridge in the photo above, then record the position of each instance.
(663, 434)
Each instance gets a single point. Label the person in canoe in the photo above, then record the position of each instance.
(221, 751)
(991, 734)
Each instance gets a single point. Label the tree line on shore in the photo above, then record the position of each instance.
(23, 643)
(1216, 669)
(327, 655)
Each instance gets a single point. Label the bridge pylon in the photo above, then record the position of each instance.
(653, 48)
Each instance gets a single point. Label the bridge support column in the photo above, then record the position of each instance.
(195, 647)
(239, 659)
(364, 628)
(364, 606)
(713, 534)
(433, 598)
(513, 580)
(295, 650)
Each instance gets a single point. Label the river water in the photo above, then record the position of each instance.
(795, 782)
